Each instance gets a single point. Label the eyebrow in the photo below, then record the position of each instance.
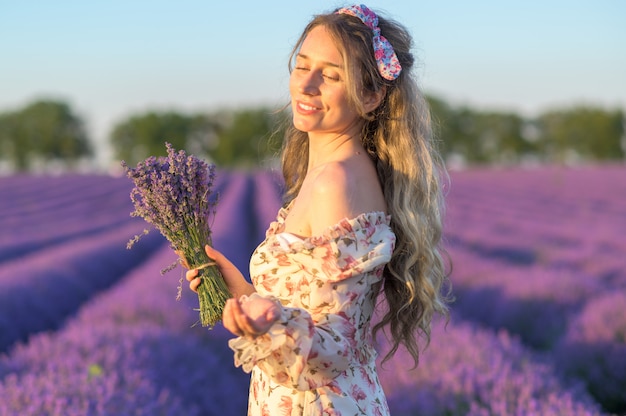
(331, 64)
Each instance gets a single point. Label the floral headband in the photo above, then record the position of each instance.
(388, 64)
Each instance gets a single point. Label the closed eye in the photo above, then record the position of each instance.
(331, 77)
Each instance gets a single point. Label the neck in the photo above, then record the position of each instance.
(325, 148)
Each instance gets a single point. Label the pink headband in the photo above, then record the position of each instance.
(388, 64)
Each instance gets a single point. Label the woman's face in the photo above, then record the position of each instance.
(317, 86)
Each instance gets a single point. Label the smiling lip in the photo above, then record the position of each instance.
(304, 108)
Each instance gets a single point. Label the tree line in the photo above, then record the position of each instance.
(51, 132)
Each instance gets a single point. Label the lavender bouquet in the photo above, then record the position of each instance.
(174, 194)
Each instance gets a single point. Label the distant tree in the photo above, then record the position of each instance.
(248, 137)
(501, 137)
(143, 135)
(231, 138)
(45, 130)
(455, 130)
(488, 137)
(583, 132)
(463, 136)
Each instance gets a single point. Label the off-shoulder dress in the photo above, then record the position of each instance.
(318, 357)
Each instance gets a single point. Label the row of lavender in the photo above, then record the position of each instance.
(46, 211)
(62, 242)
(541, 255)
(131, 349)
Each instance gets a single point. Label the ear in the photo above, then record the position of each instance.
(372, 100)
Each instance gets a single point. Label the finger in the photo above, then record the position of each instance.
(191, 274)
(218, 257)
(243, 321)
(214, 254)
(211, 252)
(228, 319)
(194, 284)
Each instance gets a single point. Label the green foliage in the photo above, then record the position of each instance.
(248, 137)
(561, 136)
(479, 137)
(583, 132)
(43, 131)
(240, 138)
(145, 135)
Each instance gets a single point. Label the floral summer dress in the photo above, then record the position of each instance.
(318, 358)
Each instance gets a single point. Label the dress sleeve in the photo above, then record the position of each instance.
(308, 346)
(298, 352)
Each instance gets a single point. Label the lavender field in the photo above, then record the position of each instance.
(538, 327)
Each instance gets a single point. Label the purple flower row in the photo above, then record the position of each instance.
(39, 291)
(539, 253)
(532, 302)
(44, 211)
(132, 349)
(594, 349)
(471, 371)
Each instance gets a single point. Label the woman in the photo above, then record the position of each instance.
(362, 216)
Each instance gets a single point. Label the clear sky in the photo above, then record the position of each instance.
(111, 58)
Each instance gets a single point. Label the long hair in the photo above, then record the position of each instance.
(398, 137)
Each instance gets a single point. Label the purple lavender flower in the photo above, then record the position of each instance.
(175, 195)
(468, 370)
(595, 349)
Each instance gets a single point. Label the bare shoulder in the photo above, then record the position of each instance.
(333, 180)
(330, 200)
(322, 201)
(332, 192)
(341, 190)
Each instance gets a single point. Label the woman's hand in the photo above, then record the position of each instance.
(250, 317)
(237, 284)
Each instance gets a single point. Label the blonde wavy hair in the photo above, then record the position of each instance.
(398, 137)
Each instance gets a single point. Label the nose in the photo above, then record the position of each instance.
(308, 83)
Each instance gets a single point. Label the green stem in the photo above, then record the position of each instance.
(212, 296)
